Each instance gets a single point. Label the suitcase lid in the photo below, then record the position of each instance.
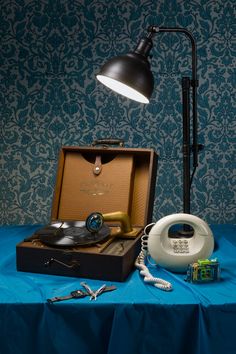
(102, 179)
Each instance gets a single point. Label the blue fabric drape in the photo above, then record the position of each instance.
(134, 319)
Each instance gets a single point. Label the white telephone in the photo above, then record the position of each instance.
(176, 253)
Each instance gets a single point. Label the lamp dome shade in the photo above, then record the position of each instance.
(128, 75)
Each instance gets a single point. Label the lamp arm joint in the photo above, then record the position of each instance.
(153, 29)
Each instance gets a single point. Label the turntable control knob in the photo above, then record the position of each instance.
(94, 222)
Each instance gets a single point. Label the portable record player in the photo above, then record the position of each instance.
(102, 200)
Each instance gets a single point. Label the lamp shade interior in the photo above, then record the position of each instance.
(122, 89)
(128, 75)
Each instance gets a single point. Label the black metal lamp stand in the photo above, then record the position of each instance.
(130, 75)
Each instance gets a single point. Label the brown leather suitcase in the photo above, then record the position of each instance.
(117, 182)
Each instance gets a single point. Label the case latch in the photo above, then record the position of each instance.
(97, 165)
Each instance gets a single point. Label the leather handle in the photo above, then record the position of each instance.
(119, 142)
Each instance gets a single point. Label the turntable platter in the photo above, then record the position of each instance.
(71, 234)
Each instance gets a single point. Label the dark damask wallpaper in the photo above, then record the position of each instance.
(50, 53)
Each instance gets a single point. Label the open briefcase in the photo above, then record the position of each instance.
(116, 182)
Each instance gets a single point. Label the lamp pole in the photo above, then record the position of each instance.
(193, 83)
(186, 84)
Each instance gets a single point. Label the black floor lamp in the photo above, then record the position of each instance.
(130, 75)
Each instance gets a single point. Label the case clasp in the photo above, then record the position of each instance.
(97, 165)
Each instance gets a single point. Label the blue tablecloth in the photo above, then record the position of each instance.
(134, 319)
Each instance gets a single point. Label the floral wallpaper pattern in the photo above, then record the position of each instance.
(50, 53)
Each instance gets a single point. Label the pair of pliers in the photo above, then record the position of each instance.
(93, 294)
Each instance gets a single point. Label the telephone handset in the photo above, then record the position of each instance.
(176, 253)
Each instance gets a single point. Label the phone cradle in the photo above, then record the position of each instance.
(176, 254)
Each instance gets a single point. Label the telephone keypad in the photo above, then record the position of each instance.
(180, 246)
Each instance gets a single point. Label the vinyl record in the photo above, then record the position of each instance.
(71, 234)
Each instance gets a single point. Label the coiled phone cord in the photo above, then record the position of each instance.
(143, 269)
